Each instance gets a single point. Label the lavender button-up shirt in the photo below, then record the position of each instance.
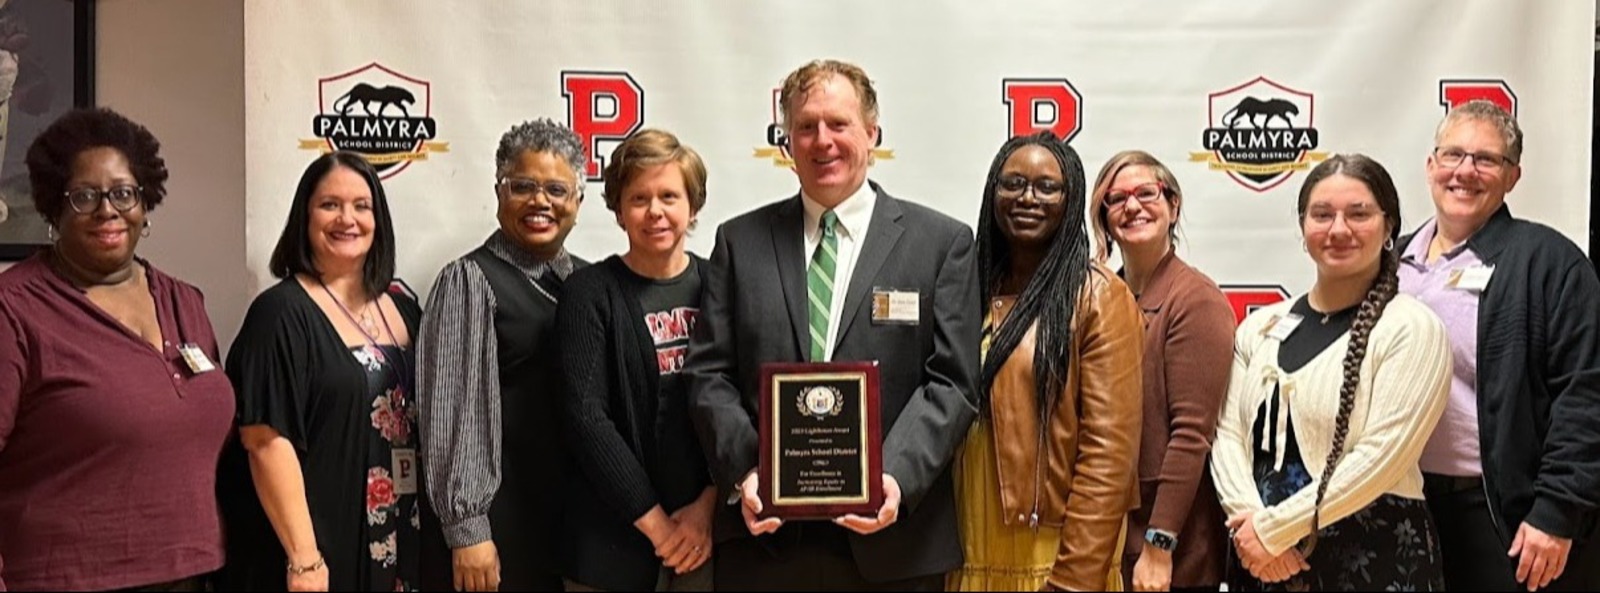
(1453, 448)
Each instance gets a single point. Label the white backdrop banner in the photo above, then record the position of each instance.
(1238, 99)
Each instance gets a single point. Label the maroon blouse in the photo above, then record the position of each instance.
(108, 448)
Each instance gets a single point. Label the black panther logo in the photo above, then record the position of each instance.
(366, 94)
(1251, 108)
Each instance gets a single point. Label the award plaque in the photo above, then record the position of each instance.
(821, 445)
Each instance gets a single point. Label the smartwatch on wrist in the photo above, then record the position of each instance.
(1161, 540)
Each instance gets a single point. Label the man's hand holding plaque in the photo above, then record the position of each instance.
(751, 507)
(887, 514)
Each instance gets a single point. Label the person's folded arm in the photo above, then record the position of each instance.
(458, 382)
(1110, 407)
(725, 427)
(1410, 387)
(618, 477)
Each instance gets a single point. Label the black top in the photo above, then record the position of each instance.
(627, 410)
(670, 309)
(526, 513)
(1316, 332)
(346, 410)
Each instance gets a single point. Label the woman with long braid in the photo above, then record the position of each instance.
(1046, 476)
(1331, 399)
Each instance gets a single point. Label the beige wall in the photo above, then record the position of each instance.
(177, 66)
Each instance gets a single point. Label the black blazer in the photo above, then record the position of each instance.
(755, 312)
(632, 445)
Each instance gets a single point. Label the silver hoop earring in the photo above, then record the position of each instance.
(146, 231)
(50, 232)
(1389, 244)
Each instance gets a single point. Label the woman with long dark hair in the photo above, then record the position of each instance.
(1046, 476)
(1332, 397)
(319, 491)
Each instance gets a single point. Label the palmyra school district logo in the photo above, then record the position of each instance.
(378, 112)
(777, 148)
(1260, 133)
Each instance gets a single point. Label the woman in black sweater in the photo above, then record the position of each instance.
(639, 500)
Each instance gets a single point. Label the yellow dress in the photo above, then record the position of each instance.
(1000, 557)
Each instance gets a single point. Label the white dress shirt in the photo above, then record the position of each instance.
(855, 215)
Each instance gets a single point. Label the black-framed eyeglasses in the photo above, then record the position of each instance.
(1044, 188)
(523, 189)
(1148, 193)
(86, 200)
(1483, 161)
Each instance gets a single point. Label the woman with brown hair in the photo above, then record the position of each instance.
(1331, 399)
(639, 502)
(1175, 538)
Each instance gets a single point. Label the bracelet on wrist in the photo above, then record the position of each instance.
(300, 570)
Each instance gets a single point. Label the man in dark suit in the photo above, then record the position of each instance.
(792, 281)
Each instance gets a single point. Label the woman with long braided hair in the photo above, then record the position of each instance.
(1331, 400)
(1046, 476)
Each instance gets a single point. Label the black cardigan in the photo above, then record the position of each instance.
(629, 454)
(1538, 380)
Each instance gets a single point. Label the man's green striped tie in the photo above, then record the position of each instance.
(819, 285)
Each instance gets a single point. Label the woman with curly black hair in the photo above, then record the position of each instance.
(112, 408)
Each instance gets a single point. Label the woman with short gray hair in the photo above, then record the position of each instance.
(488, 380)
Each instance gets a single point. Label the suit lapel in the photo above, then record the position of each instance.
(882, 235)
(788, 246)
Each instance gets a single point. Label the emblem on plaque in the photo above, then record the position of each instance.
(820, 401)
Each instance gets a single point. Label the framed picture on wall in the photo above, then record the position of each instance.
(46, 68)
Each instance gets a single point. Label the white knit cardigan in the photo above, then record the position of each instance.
(1405, 381)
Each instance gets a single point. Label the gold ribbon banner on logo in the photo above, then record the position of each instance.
(779, 160)
(421, 154)
(1215, 163)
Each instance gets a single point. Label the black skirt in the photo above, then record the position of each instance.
(1390, 545)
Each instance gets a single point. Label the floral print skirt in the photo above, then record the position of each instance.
(1390, 545)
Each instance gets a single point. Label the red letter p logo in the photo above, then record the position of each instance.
(601, 106)
(1042, 104)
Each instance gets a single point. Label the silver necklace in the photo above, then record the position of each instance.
(553, 299)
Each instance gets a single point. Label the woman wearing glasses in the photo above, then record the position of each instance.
(640, 504)
(490, 378)
(112, 406)
(1046, 475)
(320, 490)
(1331, 399)
(1175, 537)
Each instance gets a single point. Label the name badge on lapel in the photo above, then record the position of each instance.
(196, 359)
(895, 307)
(1279, 328)
(1475, 278)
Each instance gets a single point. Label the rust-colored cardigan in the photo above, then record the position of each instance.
(1188, 353)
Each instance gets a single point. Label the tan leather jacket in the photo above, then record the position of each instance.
(1080, 475)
